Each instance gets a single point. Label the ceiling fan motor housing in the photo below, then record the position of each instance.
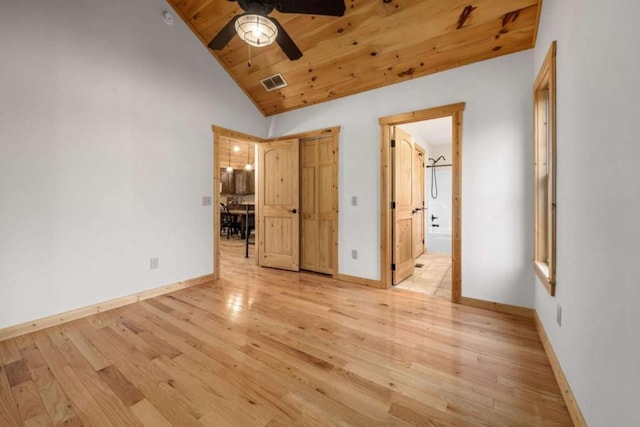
(259, 7)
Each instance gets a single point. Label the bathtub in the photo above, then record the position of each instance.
(438, 241)
(439, 238)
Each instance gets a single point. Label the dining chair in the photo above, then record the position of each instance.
(228, 222)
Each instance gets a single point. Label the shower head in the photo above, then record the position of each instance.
(437, 160)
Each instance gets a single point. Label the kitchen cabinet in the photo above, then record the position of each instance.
(228, 182)
(244, 181)
(238, 182)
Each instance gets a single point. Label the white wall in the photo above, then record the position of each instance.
(105, 152)
(435, 151)
(598, 205)
(497, 237)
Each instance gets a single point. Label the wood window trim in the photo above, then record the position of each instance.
(544, 179)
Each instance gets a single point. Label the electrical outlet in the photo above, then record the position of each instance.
(559, 315)
(354, 200)
(354, 254)
(206, 200)
(154, 263)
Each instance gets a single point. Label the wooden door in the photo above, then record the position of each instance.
(317, 163)
(417, 185)
(402, 155)
(278, 205)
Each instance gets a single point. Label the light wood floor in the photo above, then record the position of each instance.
(263, 347)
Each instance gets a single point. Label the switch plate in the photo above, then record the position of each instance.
(559, 315)
(206, 200)
(354, 254)
(154, 263)
(354, 200)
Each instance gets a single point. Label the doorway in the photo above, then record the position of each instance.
(234, 193)
(431, 211)
(399, 227)
(316, 209)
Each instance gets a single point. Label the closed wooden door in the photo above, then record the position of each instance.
(402, 154)
(278, 205)
(417, 185)
(317, 163)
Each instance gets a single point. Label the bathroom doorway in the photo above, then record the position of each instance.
(432, 205)
(437, 256)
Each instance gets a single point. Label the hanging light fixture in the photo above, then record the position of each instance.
(248, 165)
(229, 168)
(256, 30)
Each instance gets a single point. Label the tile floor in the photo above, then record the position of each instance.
(432, 278)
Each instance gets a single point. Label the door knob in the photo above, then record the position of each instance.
(293, 211)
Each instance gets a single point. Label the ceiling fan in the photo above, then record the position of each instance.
(256, 28)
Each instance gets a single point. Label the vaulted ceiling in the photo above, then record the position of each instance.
(376, 43)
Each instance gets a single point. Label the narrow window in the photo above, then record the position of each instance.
(544, 120)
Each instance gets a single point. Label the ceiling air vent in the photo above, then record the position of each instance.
(273, 82)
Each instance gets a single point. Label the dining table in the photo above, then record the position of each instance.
(244, 215)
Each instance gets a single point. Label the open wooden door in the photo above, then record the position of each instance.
(402, 157)
(278, 205)
(417, 185)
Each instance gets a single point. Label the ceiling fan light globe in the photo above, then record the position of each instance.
(256, 30)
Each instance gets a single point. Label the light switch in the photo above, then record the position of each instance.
(354, 200)
(206, 201)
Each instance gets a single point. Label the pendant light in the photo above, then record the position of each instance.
(248, 165)
(229, 168)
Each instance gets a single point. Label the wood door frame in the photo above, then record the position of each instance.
(455, 112)
(220, 132)
(333, 132)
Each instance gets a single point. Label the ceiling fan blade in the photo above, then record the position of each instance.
(225, 34)
(312, 7)
(286, 43)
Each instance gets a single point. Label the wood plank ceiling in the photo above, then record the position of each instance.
(376, 43)
(237, 159)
